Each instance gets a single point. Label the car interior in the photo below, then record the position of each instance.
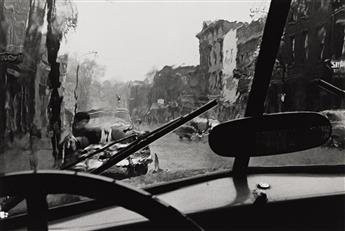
(244, 197)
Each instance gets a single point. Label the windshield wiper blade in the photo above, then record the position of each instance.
(151, 137)
(136, 145)
(105, 147)
(330, 87)
(86, 156)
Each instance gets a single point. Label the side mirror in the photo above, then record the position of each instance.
(270, 134)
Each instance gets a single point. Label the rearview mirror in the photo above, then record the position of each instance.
(270, 134)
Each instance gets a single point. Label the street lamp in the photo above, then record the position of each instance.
(77, 80)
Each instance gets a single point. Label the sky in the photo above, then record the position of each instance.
(133, 37)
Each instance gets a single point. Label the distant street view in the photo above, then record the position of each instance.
(63, 95)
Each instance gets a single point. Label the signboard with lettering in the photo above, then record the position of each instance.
(11, 58)
(338, 66)
(160, 101)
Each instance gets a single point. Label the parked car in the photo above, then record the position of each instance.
(196, 129)
(186, 131)
(337, 119)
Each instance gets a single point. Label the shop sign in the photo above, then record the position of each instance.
(160, 101)
(338, 66)
(11, 58)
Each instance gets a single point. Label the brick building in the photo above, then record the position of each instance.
(211, 43)
(228, 51)
(314, 34)
(248, 40)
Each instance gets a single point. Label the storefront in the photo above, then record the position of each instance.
(338, 67)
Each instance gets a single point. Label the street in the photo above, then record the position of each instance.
(178, 156)
(177, 159)
(173, 154)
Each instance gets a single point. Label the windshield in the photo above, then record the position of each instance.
(147, 63)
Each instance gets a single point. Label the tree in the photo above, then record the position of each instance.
(108, 94)
(94, 95)
(88, 87)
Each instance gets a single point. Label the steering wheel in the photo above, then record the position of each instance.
(34, 186)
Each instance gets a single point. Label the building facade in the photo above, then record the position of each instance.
(30, 93)
(312, 48)
(211, 48)
(228, 51)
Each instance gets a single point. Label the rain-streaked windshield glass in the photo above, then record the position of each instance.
(108, 69)
(77, 75)
(309, 76)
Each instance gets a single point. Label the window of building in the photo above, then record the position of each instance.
(231, 55)
(339, 40)
(303, 8)
(343, 50)
(317, 4)
(292, 49)
(306, 45)
(209, 60)
(247, 57)
(325, 3)
(214, 57)
(221, 55)
(220, 80)
(336, 4)
(292, 15)
(322, 38)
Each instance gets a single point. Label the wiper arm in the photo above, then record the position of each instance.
(330, 87)
(105, 147)
(136, 145)
(86, 156)
(12, 202)
(145, 140)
